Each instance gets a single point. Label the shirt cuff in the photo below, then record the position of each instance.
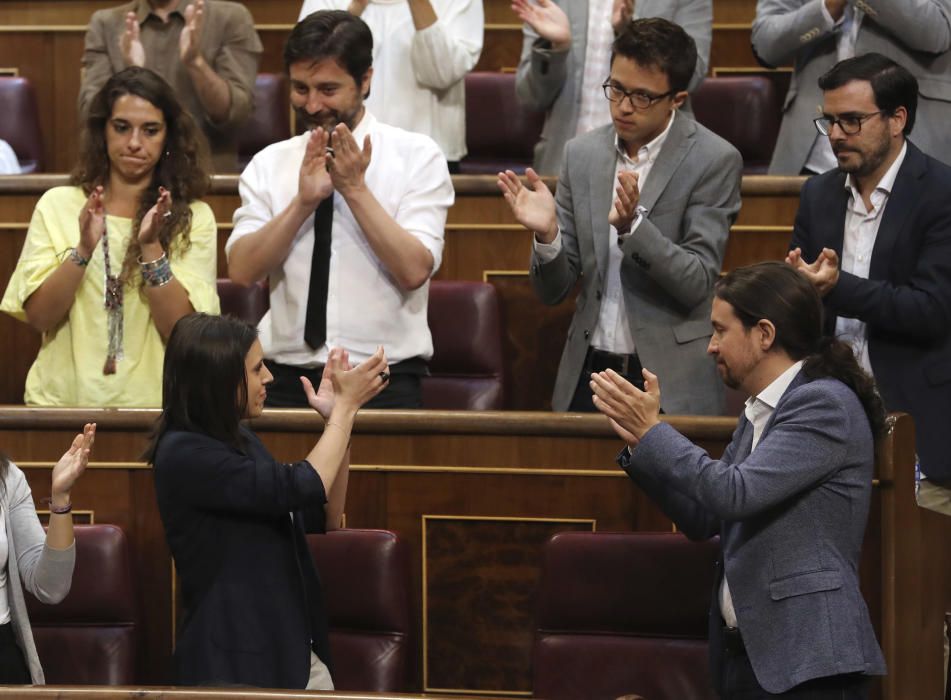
(546, 252)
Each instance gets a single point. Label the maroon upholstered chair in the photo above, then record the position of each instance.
(366, 586)
(466, 371)
(624, 613)
(20, 125)
(247, 303)
(270, 122)
(500, 133)
(744, 110)
(90, 637)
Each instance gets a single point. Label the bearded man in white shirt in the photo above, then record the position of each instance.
(345, 221)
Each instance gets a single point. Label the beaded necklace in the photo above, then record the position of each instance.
(113, 305)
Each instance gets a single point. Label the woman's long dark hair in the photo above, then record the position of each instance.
(777, 292)
(204, 386)
(181, 169)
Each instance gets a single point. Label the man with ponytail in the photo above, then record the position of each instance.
(789, 498)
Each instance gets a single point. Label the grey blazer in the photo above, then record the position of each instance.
(671, 261)
(913, 33)
(791, 517)
(44, 572)
(550, 81)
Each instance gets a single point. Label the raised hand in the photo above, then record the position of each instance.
(189, 42)
(823, 272)
(625, 204)
(349, 162)
(633, 411)
(356, 7)
(547, 19)
(621, 13)
(354, 387)
(533, 206)
(92, 223)
(130, 45)
(313, 183)
(322, 400)
(72, 464)
(155, 218)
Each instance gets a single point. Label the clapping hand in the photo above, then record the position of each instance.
(92, 223)
(625, 204)
(130, 44)
(632, 412)
(322, 400)
(823, 272)
(189, 42)
(349, 162)
(533, 206)
(547, 19)
(72, 464)
(354, 387)
(155, 218)
(314, 184)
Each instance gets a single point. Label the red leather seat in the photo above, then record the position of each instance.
(624, 613)
(744, 110)
(270, 121)
(500, 133)
(90, 638)
(466, 372)
(20, 123)
(246, 303)
(366, 586)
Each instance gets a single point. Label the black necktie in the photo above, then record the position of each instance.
(315, 322)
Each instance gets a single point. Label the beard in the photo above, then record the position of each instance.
(327, 119)
(867, 162)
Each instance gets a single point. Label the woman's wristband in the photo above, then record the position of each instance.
(60, 510)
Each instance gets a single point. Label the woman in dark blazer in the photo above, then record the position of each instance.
(232, 513)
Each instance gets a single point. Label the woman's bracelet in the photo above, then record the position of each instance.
(156, 273)
(75, 257)
(59, 510)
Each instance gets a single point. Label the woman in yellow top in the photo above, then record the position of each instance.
(111, 262)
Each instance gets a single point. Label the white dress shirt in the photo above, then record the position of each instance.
(365, 307)
(861, 230)
(821, 158)
(418, 76)
(759, 409)
(614, 330)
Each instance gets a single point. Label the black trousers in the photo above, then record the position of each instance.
(13, 668)
(582, 401)
(739, 683)
(404, 390)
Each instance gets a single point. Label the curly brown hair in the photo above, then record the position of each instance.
(181, 169)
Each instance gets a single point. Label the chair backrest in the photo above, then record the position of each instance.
(466, 372)
(90, 637)
(500, 133)
(745, 110)
(20, 124)
(247, 303)
(366, 585)
(270, 121)
(624, 613)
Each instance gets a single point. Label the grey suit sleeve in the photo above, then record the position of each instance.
(921, 25)
(46, 573)
(808, 440)
(555, 279)
(687, 267)
(541, 72)
(696, 18)
(782, 27)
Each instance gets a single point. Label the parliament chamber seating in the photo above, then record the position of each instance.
(90, 638)
(247, 303)
(744, 110)
(500, 133)
(270, 122)
(366, 585)
(623, 613)
(20, 122)
(467, 368)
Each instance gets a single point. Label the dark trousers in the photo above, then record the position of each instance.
(404, 390)
(13, 668)
(595, 361)
(739, 682)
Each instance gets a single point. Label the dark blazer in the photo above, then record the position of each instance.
(906, 301)
(251, 593)
(791, 516)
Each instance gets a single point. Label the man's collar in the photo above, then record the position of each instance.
(652, 148)
(367, 121)
(776, 388)
(143, 9)
(888, 179)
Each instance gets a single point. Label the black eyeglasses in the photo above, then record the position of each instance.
(850, 123)
(639, 99)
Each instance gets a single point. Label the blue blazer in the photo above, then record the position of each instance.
(906, 301)
(252, 598)
(791, 516)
